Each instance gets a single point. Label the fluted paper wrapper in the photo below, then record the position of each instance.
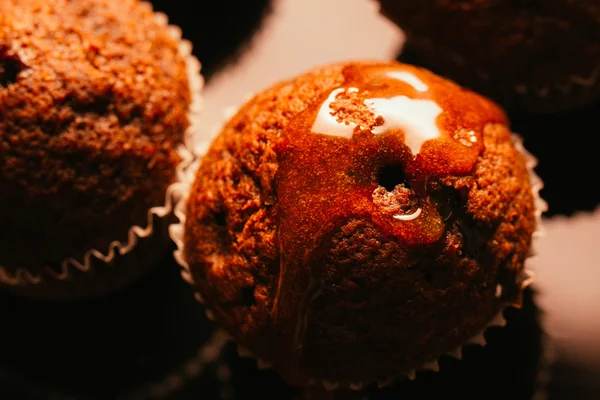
(525, 278)
(174, 382)
(100, 271)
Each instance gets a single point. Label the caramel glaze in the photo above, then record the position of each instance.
(319, 172)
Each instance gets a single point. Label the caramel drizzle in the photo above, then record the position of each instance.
(328, 171)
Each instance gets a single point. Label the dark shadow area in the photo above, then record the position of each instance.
(573, 381)
(101, 349)
(218, 30)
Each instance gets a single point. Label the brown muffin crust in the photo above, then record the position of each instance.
(93, 102)
(535, 56)
(294, 254)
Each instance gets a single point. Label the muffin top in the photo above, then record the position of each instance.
(94, 99)
(557, 38)
(528, 49)
(360, 220)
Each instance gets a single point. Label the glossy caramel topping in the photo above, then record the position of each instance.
(333, 152)
(383, 115)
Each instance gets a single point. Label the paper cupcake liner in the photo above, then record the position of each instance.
(181, 188)
(207, 355)
(101, 271)
(525, 278)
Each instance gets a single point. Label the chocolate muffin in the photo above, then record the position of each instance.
(513, 371)
(530, 56)
(94, 101)
(358, 221)
(221, 32)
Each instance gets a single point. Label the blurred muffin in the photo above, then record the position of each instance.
(151, 341)
(221, 31)
(559, 157)
(357, 222)
(530, 56)
(562, 158)
(94, 101)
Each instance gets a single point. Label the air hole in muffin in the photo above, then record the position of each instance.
(10, 68)
(221, 218)
(360, 282)
(248, 296)
(99, 106)
(391, 176)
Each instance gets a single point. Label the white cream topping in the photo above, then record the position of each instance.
(409, 78)
(328, 124)
(415, 117)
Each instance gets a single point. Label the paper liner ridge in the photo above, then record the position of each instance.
(525, 278)
(24, 277)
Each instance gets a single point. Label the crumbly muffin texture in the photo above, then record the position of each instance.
(93, 102)
(531, 56)
(337, 240)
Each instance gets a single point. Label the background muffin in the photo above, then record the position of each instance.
(222, 29)
(94, 100)
(532, 56)
(150, 341)
(371, 209)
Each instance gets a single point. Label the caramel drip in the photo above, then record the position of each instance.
(327, 178)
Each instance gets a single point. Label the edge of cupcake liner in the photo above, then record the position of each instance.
(433, 365)
(568, 85)
(185, 179)
(24, 278)
(541, 206)
(525, 277)
(208, 354)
